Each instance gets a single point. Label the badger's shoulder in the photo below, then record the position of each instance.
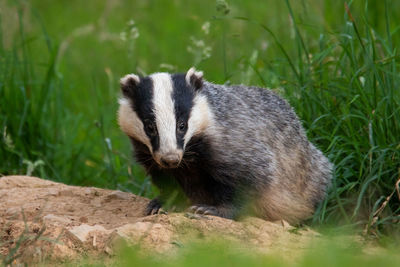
(246, 98)
(251, 108)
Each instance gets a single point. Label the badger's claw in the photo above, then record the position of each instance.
(204, 209)
(154, 207)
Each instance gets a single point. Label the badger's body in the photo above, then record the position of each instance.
(232, 149)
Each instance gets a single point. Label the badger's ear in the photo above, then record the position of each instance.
(194, 78)
(128, 84)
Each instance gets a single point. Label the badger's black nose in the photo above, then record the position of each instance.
(170, 160)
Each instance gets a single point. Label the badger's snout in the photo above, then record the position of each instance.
(169, 160)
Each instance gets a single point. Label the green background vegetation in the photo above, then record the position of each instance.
(60, 62)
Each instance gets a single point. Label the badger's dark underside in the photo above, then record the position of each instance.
(209, 186)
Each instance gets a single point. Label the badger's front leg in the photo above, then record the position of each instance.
(175, 201)
(209, 196)
(171, 197)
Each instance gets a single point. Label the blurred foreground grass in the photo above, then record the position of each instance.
(323, 253)
(60, 62)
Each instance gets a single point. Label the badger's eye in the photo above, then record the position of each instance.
(181, 126)
(150, 128)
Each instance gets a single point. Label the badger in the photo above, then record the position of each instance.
(231, 150)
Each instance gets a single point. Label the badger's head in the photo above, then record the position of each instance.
(164, 111)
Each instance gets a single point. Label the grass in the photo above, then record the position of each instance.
(218, 255)
(327, 253)
(336, 63)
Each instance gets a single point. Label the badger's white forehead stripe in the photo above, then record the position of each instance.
(130, 123)
(164, 111)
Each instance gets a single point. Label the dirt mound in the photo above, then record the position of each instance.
(40, 219)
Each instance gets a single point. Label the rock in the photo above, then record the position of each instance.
(65, 222)
(82, 232)
(150, 235)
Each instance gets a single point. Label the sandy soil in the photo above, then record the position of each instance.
(45, 220)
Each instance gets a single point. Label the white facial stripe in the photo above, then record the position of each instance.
(200, 117)
(130, 123)
(164, 111)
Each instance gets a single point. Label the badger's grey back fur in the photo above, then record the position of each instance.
(248, 145)
(260, 134)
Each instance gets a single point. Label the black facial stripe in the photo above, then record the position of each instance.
(183, 96)
(142, 99)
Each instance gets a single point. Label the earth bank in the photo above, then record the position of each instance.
(44, 220)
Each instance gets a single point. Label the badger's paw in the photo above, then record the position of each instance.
(204, 209)
(224, 211)
(154, 207)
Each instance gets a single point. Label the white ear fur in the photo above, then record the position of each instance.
(124, 80)
(194, 78)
